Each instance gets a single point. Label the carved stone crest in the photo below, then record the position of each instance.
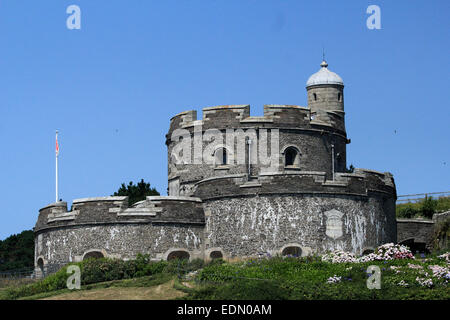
(334, 224)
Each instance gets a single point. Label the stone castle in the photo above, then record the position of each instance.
(223, 202)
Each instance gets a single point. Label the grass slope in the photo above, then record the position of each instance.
(258, 279)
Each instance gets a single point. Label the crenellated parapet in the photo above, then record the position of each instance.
(115, 210)
(194, 145)
(275, 116)
(360, 183)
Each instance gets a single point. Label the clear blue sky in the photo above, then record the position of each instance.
(111, 87)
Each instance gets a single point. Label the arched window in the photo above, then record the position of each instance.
(216, 254)
(180, 254)
(291, 157)
(40, 264)
(94, 255)
(367, 251)
(315, 96)
(292, 251)
(339, 97)
(221, 156)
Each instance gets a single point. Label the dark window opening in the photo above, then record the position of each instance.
(292, 251)
(40, 264)
(221, 156)
(415, 247)
(216, 255)
(291, 157)
(178, 255)
(94, 255)
(315, 96)
(367, 251)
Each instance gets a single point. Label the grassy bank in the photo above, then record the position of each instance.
(307, 278)
(313, 279)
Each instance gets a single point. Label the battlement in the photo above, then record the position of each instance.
(237, 116)
(362, 182)
(112, 210)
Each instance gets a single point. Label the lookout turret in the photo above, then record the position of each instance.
(326, 97)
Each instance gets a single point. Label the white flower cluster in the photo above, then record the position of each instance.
(414, 266)
(403, 283)
(385, 252)
(391, 251)
(445, 256)
(334, 279)
(440, 272)
(424, 282)
(396, 269)
(339, 256)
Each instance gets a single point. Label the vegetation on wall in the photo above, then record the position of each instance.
(136, 192)
(441, 235)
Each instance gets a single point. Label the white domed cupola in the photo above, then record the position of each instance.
(324, 76)
(325, 90)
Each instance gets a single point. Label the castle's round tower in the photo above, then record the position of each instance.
(325, 90)
(326, 96)
(278, 183)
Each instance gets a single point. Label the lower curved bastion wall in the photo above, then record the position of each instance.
(267, 224)
(58, 247)
(231, 216)
(108, 227)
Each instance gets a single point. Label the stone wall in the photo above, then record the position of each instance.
(261, 224)
(291, 126)
(415, 233)
(353, 213)
(107, 227)
(418, 233)
(60, 246)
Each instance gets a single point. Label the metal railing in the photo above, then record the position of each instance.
(17, 274)
(414, 197)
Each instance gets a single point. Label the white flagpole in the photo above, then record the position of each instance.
(332, 160)
(57, 153)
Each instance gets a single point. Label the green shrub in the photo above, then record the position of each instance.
(443, 204)
(407, 212)
(152, 268)
(425, 207)
(429, 206)
(183, 266)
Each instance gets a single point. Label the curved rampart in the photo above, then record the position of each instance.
(360, 183)
(106, 226)
(264, 216)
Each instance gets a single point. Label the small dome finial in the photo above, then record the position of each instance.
(324, 63)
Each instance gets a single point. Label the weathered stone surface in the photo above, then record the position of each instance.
(419, 232)
(62, 245)
(246, 226)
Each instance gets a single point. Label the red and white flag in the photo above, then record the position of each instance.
(57, 145)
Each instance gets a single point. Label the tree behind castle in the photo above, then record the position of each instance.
(137, 192)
